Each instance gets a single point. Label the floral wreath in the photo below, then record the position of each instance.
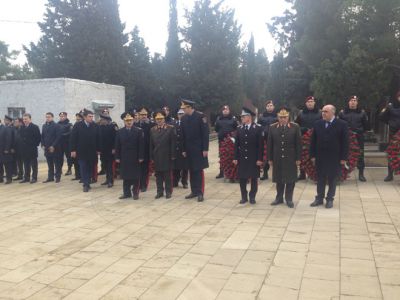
(308, 166)
(393, 151)
(227, 155)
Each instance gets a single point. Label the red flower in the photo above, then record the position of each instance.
(393, 151)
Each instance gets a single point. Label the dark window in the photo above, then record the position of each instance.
(16, 112)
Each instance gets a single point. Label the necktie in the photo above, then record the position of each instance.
(327, 124)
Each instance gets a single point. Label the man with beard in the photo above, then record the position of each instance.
(225, 124)
(145, 124)
(107, 132)
(306, 119)
(129, 153)
(181, 164)
(162, 153)
(51, 144)
(6, 150)
(265, 120)
(66, 128)
(358, 122)
(195, 147)
(30, 140)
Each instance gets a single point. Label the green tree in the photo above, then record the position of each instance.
(10, 70)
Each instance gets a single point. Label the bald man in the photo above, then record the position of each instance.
(329, 151)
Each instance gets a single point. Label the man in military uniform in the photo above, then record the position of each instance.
(265, 120)
(129, 153)
(195, 133)
(249, 152)
(180, 165)
(162, 153)
(358, 122)
(225, 124)
(6, 150)
(66, 128)
(306, 119)
(284, 153)
(51, 144)
(391, 116)
(145, 124)
(19, 163)
(108, 132)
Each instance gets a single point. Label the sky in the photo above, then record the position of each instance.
(18, 21)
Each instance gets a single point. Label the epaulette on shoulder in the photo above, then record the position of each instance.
(275, 124)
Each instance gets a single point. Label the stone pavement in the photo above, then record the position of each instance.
(56, 242)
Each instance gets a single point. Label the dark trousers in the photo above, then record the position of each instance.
(253, 188)
(164, 182)
(361, 162)
(130, 186)
(18, 167)
(197, 182)
(286, 189)
(108, 168)
(144, 174)
(77, 169)
(322, 180)
(67, 153)
(6, 167)
(86, 170)
(54, 164)
(266, 168)
(31, 164)
(181, 175)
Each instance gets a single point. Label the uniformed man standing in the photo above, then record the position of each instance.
(265, 120)
(284, 153)
(249, 152)
(225, 124)
(78, 118)
(391, 116)
(19, 163)
(162, 153)
(66, 128)
(6, 150)
(358, 122)
(129, 153)
(145, 124)
(108, 132)
(306, 119)
(181, 164)
(195, 147)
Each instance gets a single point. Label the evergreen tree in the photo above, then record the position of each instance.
(10, 70)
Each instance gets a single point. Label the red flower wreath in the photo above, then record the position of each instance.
(308, 166)
(227, 155)
(393, 151)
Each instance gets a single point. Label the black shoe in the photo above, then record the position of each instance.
(252, 201)
(93, 180)
(69, 172)
(86, 189)
(190, 196)
(264, 177)
(302, 176)
(48, 180)
(102, 172)
(168, 196)
(110, 185)
(175, 185)
(243, 201)
(219, 176)
(388, 178)
(329, 204)
(8, 181)
(58, 180)
(185, 186)
(143, 190)
(33, 181)
(158, 196)
(104, 183)
(73, 179)
(19, 178)
(24, 181)
(200, 198)
(277, 202)
(135, 196)
(290, 204)
(316, 203)
(124, 197)
(362, 178)
(80, 181)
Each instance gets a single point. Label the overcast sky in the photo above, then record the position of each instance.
(150, 15)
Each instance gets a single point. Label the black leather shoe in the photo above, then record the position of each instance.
(290, 204)
(24, 181)
(48, 180)
(185, 186)
(33, 181)
(219, 176)
(329, 204)
(388, 178)
(168, 196)
(69, 172)
(362, 178)
(264, 177)
(158, 196)
(277, 202)
(135, 196)
(102, 172)
(252, 201)
(190, 196)
(85, 189)
(8, 181)
(73, 179)
(243, 201)
(104, 183)
(143, 190)
(124, 197)
(110, 185)
(200, 198)
(302, 176)
(19, 178)
(58, 180)
(316, 203)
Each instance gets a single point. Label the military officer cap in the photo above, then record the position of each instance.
(6, 117)
(181, 112)
(354, 97)
(105, 117)
(283, 112)
(247, 112)
(63, 114)
(187, 103)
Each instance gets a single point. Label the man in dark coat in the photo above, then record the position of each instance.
(358, 122)
(284, 153)
(6, 150)
(108, 132)
(306, 119)
(129, 153)
(168, 118)
(51, 144)
(30, 140)
(328, 151)
(66, 128)
(195, 133)
(85, 146)
(162, 153)
(78, 118)
(391, 115)
(225, 124)
(249, 152)
(181, 164)
(266, 119)
(145, 124)
(18, 161)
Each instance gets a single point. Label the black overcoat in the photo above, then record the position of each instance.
(30, 140)
(180, 161)
(85, 141)
(107, 141)
(6, 143)
(162, 147)
(51, 137)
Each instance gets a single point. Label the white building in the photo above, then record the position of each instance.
(40, 96)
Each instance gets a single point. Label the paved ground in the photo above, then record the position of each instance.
(57, 242)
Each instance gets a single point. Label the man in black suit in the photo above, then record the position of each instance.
(195, 133)
(329, 151)
(181, 165)
(85, 146)
(6, 149)
(108, 131)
